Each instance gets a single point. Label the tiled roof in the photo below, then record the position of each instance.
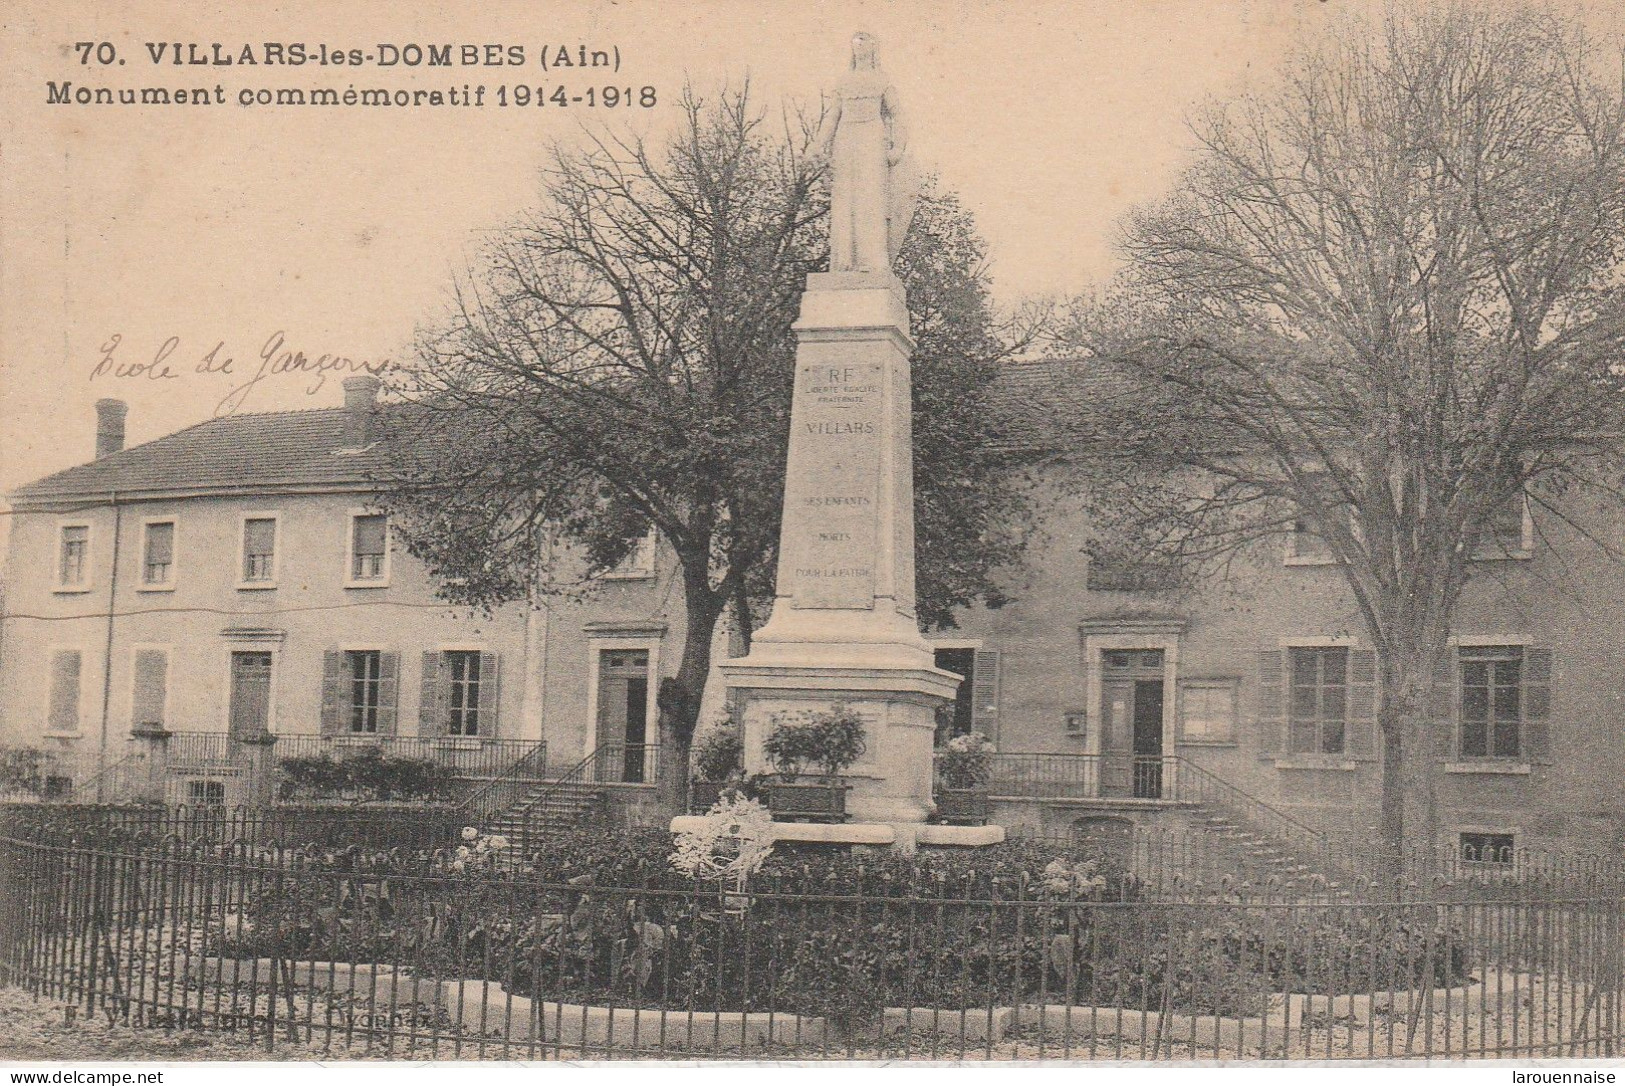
(283, 449)
(243, 451)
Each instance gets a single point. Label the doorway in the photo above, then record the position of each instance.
(957, 717)
(249, 715)
(623, 714)
(1131, 714)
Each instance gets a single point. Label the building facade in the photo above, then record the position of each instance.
(233, 579)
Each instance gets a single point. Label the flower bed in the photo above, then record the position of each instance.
(608, 921)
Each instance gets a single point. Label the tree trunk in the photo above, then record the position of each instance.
(1410, 735)
(679, 699)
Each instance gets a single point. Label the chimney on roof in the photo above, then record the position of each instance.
(360, 399)
(110, 426)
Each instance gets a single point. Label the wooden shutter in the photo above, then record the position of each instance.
(490, 693)
(64, 707)
(432, 696)
(1441, 704)
(1361, 737)
(1537, 704)
(984, 683)
(389, 690)
(335, 697)
(1271, 702)
(151, 687)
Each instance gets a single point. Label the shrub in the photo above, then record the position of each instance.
(719, 755)
(832, 740)
(23, 771)
(966, 761)
(367, 776)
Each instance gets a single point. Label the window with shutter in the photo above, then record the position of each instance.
(1271, 705)
(259, 550)
(73, 560)
(363, 679)
(368, 547)
(431, 696)
(334, 692)
(1361, 736)
(389, 684)
(1491, 700)
(490, 696)
(1317, 709)
(463, 682)
(1539, 671)
(63, 712)
(150, 691)
(158, 554)
(985, 692)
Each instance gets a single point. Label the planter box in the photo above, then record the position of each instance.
(807, 802)
(963, 806)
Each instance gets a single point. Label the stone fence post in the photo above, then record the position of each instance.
(152, 740)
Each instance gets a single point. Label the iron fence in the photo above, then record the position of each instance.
(338, 954)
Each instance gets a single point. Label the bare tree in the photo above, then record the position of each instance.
(623, 361)
(1385, 301)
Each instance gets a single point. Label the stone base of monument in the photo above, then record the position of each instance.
(891, 782)
(905, 836)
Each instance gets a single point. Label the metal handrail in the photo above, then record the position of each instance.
(585, 772)
(112, 771)
(514, 781)
(1252, 807)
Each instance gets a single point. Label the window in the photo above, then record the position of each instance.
(73, 563)
(639, 561)
(158, 554)
(1306, 545)
(367, 549)
(1209, 710)
(150, 687)
(1318, 710)
(463, 678)
(63, 712)
(365, 673)
(1491, 701)
(259, 551)
(1504, 535)
(206, 793)
(1489, 848)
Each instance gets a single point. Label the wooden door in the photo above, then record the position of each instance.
(250, 711)
(1131, 723)
(1148, 739)
(623, 713)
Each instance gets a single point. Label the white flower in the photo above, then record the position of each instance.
(469, 833)
(498, 842)
(463, 853)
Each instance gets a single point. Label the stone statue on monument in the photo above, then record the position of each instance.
(873, 186)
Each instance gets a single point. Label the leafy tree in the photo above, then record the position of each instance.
(622, 360)
(1384, 301)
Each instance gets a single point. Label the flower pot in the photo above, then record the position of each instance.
(807, 802)
(703, 795)
(963, 806)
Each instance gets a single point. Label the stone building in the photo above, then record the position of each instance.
(231, 579)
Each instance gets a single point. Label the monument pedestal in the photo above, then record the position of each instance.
(843, 628)
(891, 783)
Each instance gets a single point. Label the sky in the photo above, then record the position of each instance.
(176, 230)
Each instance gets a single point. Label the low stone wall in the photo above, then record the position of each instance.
(487, 1008)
